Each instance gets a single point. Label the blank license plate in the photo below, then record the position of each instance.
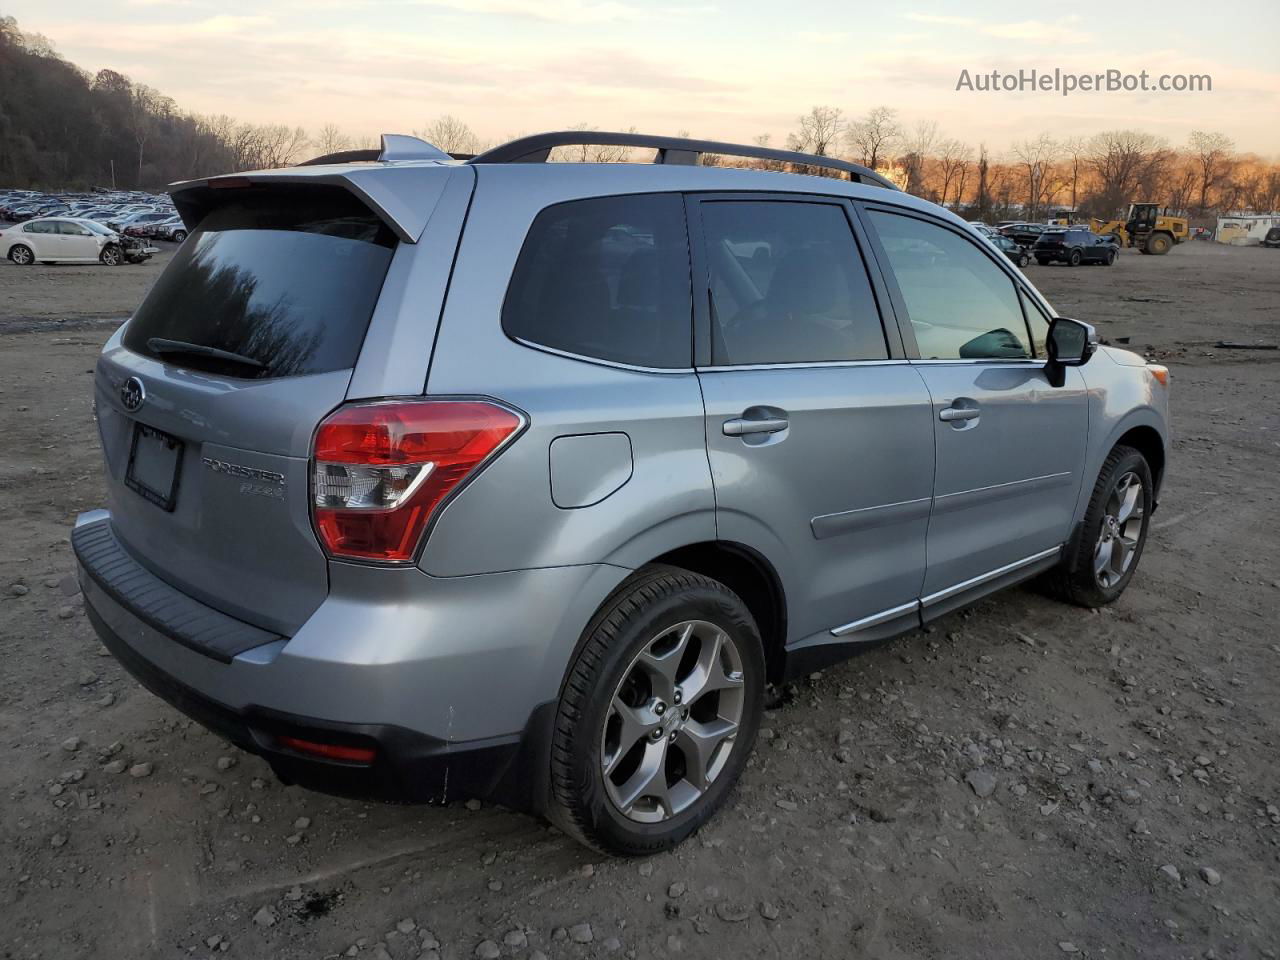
(155, 460)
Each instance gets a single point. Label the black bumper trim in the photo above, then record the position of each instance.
(162, 607)
(409, 767)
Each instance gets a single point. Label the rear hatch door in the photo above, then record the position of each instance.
(208, 397)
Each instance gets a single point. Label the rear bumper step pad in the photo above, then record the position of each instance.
(162, 607)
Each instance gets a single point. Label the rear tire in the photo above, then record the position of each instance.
(1075, 258)
(672, 663)
(1099, 563)
(22, 255)
(179, 236)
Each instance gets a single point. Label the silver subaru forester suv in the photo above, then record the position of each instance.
(434, 478)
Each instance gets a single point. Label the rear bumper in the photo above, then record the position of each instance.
(408, 767)
(451, 681)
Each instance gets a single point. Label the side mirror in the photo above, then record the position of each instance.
(1070, 344)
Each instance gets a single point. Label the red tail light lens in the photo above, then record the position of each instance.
(379, 470)
(330, 751)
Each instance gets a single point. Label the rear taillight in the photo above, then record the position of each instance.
(380, 470)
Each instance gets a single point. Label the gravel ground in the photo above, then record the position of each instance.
(1023, 780)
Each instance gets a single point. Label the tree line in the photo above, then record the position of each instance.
(62, 127)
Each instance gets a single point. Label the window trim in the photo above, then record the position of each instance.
(702, 357)
(586, 358)
(994, 256)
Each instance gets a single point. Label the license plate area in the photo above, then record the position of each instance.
(155, 463)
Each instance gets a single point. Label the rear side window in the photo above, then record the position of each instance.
(788, 285)
(962, 306)
(606, 278)
(286, 280)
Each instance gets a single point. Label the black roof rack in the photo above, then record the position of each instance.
(673, 150)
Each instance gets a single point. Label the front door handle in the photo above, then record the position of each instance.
(741, 426)
(951, 414)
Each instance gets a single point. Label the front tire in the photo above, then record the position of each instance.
(1075, 258)
(111, 255)
(1101, 561)
(1111, 257)
(22, 255)
(658, 713)
(179, 236)
(1024, 260)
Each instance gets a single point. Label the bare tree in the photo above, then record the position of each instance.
(953, 164)
(820, 130)
(914, 160)
(872, 137)
(1214, 155)
(1036, 158)
(1125, 162)
(450, 134)
(1074, 151)
(145, 104)
(330, 139)
(982, 198)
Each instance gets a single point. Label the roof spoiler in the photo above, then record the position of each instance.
(395, 146)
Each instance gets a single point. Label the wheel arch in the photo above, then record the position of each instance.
(750, 575)
(1147, 441)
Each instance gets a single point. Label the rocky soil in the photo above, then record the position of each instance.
(1023, 780)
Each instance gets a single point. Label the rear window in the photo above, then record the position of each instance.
(286, 280)
(606, 278)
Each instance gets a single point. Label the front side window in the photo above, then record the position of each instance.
(962, 306)
(788, 285)
(606, 278)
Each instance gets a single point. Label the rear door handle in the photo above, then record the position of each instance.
(951, 414)
(742, 426)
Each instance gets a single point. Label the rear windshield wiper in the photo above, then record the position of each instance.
(162, 346)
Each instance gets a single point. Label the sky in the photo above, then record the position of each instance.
(720, 69)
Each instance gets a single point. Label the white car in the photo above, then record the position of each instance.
(61, 240)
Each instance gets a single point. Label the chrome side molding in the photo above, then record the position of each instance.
(915, 606)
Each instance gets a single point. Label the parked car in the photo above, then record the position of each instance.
(984, 229)
(1024, 234)
(531, 522)
(1011, 249)
(172, 229)
(68, 240)
(1074, 246)
(122, 223)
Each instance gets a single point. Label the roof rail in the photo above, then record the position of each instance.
(395, 146)
(670, 150)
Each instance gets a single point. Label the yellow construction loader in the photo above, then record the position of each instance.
(1145, 228)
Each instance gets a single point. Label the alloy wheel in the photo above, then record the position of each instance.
(672, 721)
(1122, 523)
(21, 256)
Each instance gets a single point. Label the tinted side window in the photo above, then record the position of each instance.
(962, 305)
(607, 278)
(788, 284)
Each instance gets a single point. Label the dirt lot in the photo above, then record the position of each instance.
(1136, 802)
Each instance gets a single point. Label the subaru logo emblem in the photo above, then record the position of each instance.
(132, 394)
